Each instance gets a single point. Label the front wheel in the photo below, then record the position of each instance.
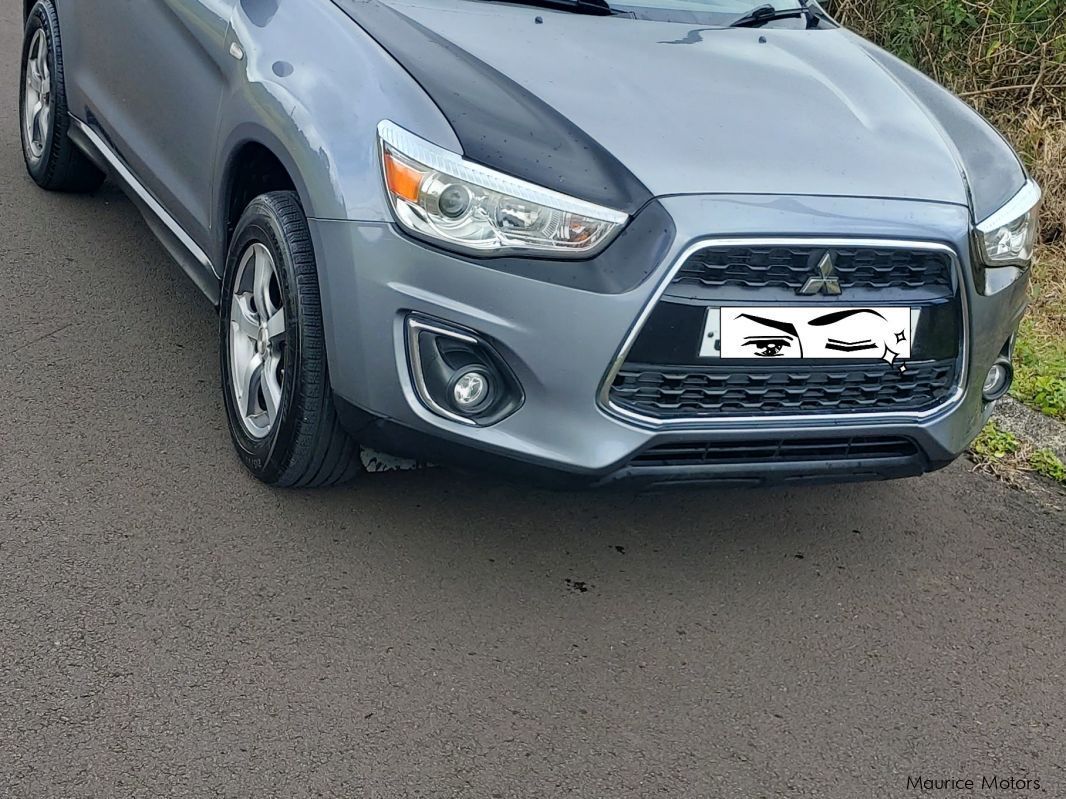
(52, 159)
(273, 353)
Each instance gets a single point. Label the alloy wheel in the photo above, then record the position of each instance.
(257, 341)
(37, 98)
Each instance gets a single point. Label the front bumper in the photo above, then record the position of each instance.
(561, 342)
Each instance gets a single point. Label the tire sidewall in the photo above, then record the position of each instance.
(42, 18)
(265, 457)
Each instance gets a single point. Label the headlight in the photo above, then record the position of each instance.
(1008, 237)
(439, 195)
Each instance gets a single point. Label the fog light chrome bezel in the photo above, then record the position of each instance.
(434, 379)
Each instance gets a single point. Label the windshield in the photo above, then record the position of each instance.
(713, 13)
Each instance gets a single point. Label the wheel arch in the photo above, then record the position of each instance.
(315, 100)
(254, 162)
(252, 168)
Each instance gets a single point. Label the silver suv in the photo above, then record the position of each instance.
(679, 240)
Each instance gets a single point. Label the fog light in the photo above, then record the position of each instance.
(458, 375)
(998, 381)
(471, 390)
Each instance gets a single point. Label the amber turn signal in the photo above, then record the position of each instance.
(403, 179)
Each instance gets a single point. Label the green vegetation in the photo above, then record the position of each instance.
(995, 445)
(1001, 453)
(1004, 56)
(1040, 371)
(1045, 462)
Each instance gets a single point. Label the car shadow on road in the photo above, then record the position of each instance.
(447, 526)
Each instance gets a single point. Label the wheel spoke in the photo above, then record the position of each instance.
(34, 80)
(243, 317)
(249, 384)
(42, 59)
(36, 127)
(276, 326)
(271, 389)
(44, 119)
(261, 289)
(33, 66)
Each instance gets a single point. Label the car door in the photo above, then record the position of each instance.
(151, 76)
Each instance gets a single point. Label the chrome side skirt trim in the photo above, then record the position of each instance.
(711, 423)
(151, 203)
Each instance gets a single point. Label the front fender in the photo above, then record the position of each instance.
(312, 87)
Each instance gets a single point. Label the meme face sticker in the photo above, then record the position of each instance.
(809, 333)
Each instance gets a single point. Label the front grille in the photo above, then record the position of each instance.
(705, 453)
(789, 267)
(724, 391)
(666, 375)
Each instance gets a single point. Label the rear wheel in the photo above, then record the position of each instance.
(273, 352)
(52, 159)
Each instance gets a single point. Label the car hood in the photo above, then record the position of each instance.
(696, 110)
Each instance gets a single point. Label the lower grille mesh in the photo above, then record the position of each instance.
(666, 393)
(701, 453)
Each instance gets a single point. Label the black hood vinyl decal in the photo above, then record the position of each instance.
(499, 123)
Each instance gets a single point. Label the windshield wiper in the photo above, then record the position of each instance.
(760, 15)
(594, 7)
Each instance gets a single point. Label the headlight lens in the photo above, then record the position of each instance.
(1008, 237)
(438, 194)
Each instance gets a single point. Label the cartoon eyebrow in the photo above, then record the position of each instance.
(839, 316)
(784, 327)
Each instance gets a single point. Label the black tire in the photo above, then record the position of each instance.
(61, 166)
(306, 446)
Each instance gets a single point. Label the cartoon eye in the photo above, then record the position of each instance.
(768, 347)
(850, 346)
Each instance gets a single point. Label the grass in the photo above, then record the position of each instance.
(1040, 357)
(1045, 462)
(995, 445)
(1040, 371)
(1040, 362)
(1004, 455)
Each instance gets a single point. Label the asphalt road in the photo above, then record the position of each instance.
(170, 628)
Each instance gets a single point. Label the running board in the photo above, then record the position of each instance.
(190, 257)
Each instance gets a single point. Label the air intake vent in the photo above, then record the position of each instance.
(702, 453)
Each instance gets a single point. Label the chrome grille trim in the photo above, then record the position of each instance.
(864, 418)
(714, 268)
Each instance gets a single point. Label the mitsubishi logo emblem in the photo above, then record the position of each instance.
(826, 281)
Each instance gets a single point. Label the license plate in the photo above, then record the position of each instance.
(809, 333)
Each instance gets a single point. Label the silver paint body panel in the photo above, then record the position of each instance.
(561, 342)
(808, 112)
(807, 134)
